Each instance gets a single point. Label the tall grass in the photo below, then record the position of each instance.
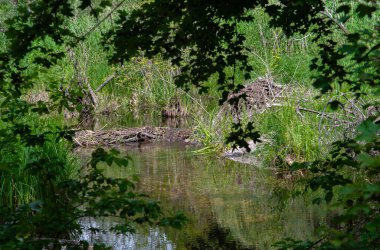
(273, 53)
(146, 86)
(21, 165)
(19, 182)
(292, 136)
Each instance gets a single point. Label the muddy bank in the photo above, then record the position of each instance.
(89, 138)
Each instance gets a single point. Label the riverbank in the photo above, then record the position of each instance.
(119, 137)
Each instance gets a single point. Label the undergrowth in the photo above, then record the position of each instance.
(20, 160)
(144, 86)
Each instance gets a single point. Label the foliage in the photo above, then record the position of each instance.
(358, 193)
(19, 181)
(36, 40)
(350, 172)
(202, 39)
(56, 217)
(294, 137)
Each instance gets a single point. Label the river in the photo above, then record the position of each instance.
(229, 205)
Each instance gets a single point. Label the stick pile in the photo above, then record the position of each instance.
(89, 138)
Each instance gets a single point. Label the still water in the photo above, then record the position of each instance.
(229, 205)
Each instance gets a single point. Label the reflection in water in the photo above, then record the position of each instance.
(216, 237)
(154, 238)
(229, 205)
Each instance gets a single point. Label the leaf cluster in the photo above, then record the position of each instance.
(55, 219)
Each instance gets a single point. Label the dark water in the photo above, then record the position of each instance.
(229, 205)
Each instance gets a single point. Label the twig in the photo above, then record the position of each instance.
(105, 82)
(103, 19)
(94, 98)
(354, 105)
(341, 26)
(322, 114)
(77, 142)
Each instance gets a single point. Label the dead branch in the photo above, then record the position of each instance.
(93, 96)
(258, 96)
(102, 20)
(322, 114)
(340, 25)
(108, 80)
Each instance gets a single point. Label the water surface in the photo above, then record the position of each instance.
(229, 205)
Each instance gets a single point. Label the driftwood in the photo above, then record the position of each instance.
(89, 138)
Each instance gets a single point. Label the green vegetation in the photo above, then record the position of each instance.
(19, 184)
(55, 70)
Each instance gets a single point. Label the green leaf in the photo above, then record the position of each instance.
(329, 195)
(369, 161)
(368, 130)
(85, 4)
(300, 165)
(323, 84)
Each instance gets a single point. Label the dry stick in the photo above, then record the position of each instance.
(320, 123)
(77, 142)
(262, 60)
(108, 80)
(81, 76)
(323, 114)
(94, 98)
(340, 25)
(103, 19)
(263, 39)
(354, 105)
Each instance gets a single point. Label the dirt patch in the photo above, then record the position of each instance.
(89, 138)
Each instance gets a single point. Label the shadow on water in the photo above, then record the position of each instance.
(216, 238)
(229, 205)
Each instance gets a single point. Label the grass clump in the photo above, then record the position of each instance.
(22, 161)
(19, 182)
(293, 136)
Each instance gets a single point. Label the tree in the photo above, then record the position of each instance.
(202, 39)
(36, 40)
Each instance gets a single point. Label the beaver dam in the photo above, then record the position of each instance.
(89, 138)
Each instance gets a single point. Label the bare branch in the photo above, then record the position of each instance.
(340, 25)
(103, 19)
(108, 80)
